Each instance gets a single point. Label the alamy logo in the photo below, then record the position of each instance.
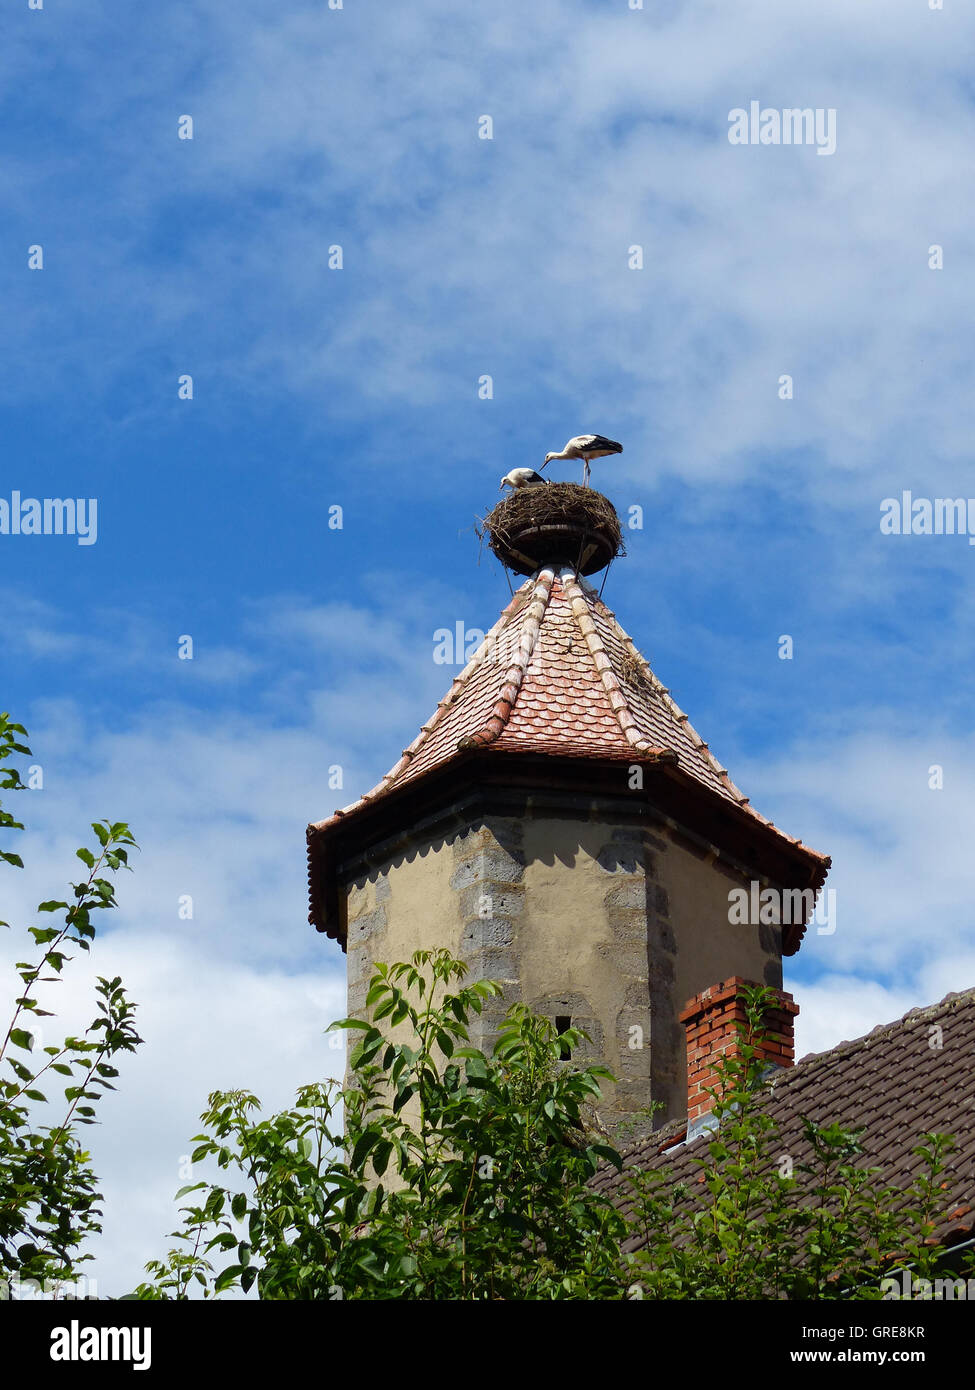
(50, 516)
(941, 1290)
(77, 1343)
(26, 1290)
(458, 646)
(908, 515)
(757, 906)
(794, 125)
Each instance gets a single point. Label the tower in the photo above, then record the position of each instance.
(559, 825)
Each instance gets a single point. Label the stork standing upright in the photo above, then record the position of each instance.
(587, 447)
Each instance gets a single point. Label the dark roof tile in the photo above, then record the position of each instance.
(891, 1081)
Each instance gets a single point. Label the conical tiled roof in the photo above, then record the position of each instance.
(557, 675)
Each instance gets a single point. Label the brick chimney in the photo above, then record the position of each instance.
(712, 1019)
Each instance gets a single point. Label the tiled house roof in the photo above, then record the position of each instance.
(902, 1080)
(558, 676)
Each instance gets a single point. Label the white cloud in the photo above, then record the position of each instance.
(465, 256)
(903, 878)
(210, 1022)
(841, 1008)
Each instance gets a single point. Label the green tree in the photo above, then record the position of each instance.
(442, 1173)
(49, 1199)
(454, 1176)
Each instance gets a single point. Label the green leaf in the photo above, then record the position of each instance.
(193, 1187)
(402, 1096)
(609, 1154)
(365, 1143)
(227, 1278)
(481, 1083)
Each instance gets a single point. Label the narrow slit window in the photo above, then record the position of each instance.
(562, 1024)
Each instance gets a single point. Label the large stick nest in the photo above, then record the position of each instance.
(553, 503)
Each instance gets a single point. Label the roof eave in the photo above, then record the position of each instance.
(481, 779)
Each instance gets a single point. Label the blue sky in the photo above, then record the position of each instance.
(316, 387)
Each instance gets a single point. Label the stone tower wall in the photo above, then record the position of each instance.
(615, 926)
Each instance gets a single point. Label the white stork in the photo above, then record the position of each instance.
(521, 477)
(587, 447)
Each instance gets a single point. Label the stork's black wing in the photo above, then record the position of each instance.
(599, 441)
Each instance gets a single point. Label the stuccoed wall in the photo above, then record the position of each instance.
(614, 925)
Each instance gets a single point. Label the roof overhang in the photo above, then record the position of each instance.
(480, 782)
